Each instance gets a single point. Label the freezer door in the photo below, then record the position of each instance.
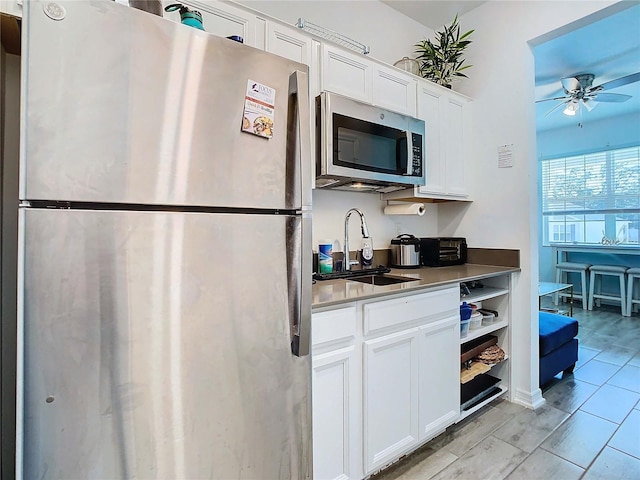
(158, 345)
(124, 106)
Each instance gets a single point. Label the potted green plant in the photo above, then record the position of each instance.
(441, 60)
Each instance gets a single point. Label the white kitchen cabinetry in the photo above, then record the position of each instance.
(12, 7)
(394, 90)
(288, 42)
(493, 296)
(336, 364)
(346, 73)
(438, 380)
(444, 113)
(386, 374)
(410, 372)
(360, 78)
(390, 397)
(447, 117)
(224, 20)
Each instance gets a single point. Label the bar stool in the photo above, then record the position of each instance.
(562, 269)
(632, 275)
(597, 272)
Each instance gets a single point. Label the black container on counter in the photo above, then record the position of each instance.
(443, 251)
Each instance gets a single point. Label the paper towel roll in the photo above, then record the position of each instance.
(405, 209)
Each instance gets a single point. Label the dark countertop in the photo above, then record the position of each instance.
(335, 292)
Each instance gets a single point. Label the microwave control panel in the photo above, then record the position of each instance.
(416, 141)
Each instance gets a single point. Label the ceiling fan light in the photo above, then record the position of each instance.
(571, 108)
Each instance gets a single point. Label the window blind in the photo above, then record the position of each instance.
(595, 183)
(592, 198)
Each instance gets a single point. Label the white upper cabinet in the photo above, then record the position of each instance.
(445, 115)
(288, 42)
(11, 7)
(360, 78)
(431, 105)
(394, 90)
(346, 73)
(456, 151)
(225, 20)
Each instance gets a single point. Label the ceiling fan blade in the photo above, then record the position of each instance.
(571, 84)
(554, 98)
(611, 97)
(557, 107)
(589, 103)
(619, 82)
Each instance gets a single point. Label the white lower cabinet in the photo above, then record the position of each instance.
(385, 379)
(386, 374)
(439, 383)
(390, 379)
(336, 365)
(333, 413)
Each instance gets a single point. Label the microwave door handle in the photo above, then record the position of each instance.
(409, 167)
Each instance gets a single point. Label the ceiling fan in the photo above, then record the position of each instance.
(579, 90)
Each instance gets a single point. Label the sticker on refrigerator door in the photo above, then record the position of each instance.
(259, 109)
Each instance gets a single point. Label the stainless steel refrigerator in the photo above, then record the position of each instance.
(164, 251)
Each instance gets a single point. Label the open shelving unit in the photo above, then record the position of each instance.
(485, 293)
(492, 382)
(484, 330)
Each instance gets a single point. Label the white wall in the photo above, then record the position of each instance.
(330, 207)
(504, 214)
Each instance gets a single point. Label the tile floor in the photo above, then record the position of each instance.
(589, 427)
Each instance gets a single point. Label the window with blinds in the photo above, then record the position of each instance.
(592, 198)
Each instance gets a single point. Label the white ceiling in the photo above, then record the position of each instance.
(608, 48)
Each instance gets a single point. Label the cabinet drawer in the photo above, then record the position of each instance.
(403, 311)
(333, 325)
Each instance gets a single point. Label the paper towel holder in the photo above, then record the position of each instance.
(404, 208)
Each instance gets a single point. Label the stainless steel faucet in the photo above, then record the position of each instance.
(365, 233)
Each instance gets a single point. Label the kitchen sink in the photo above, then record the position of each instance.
(381, 279)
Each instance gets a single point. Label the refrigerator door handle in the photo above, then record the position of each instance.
(299, 136)
(299, 263)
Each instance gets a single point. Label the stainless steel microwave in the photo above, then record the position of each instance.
(361, 147)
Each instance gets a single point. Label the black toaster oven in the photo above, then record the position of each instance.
(443, 251)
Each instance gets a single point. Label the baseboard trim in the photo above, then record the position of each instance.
(532, 400)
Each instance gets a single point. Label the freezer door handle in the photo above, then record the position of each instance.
(299, 262)
(299, 138)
